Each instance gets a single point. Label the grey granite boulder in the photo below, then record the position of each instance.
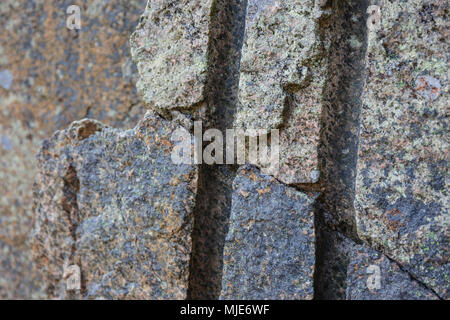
(113, 208)
(269, 250)
(402, 183)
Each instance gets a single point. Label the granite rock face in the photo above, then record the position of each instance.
(113, 204)
(346, 270)
(358, 90)
(49, 77)
(282, 75)
(269, 249)
(170, 48)
(372, 276)
(402, 184)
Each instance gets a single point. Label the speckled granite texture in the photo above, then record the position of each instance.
(402, 185)
(357, 88)
(49, 77)
(170, 48)
(393, 283)
(112, 203)
(213, 203)
(282, 76)
(345, 34)
(269, 249)
(346, 270)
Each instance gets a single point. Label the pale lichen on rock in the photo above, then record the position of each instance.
(281, 81)
(401, 193)
(170, 48)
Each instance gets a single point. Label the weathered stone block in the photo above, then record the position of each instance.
(170, 48)
(401, 193)
(269, 249)
(281, 81)
(113, 204)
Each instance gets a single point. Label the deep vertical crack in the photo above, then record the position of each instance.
(213, 203)
(346, 33)
(71, 189)
(70, 204)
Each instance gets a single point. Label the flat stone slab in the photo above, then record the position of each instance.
(170, 47)
(401, 193)
(269, 250)
(112, 204)
(282, 75)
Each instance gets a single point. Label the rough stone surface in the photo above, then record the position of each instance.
(269, 249)
(20, 277)
(114, 218)
(346, 270)
(401, 190)
(170, 48)
(6, 79)
(112, 203)
(281, 81)
(51, 76)
(394, 284)
(213, 207)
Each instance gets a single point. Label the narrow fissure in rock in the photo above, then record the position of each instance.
(70, 204)
(415, 279)
(70, 207)
(346, 34)
(213, 203)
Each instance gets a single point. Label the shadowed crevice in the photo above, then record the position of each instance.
(346, 33)
(71, 189)
(213, 202)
